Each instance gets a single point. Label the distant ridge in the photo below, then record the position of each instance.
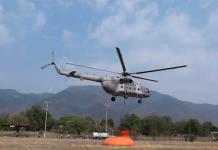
(12, 101)
(90, 100)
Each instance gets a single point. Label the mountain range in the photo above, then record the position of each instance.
(91, 101)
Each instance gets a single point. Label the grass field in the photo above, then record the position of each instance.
(79, 144)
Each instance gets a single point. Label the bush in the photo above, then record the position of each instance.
(192, 137)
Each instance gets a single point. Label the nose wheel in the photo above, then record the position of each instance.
(113, 99)
(140, 101)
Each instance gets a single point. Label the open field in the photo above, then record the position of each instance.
(79, 144)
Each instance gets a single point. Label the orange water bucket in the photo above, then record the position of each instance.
(122, 140)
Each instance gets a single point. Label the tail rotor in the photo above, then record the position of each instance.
(45, 66)
(52, 61)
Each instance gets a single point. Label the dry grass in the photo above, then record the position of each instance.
(79, 144)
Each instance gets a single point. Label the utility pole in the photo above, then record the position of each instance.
(106, 118)
(46, 115)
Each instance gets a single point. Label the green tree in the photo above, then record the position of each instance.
(154, 125)
(110, 123)
(73, 124)
(130, 122)
(166, 126)
(36, 118)
(4, 118)
(151, 125)
(192, 127)
(208, 127)
(91, 125)
(18, 119)
(179, 127)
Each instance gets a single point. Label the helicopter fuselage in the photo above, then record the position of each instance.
(117, 86)
(125, 87)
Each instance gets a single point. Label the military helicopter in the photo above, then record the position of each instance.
(122, 85)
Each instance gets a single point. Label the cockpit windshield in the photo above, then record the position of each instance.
(145, 90)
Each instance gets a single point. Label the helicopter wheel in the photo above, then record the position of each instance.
(113, 99)
(140, 101)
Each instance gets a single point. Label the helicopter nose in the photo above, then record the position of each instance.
(147, 92)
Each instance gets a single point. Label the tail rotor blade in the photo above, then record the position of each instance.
(52, 61)
(43, 67)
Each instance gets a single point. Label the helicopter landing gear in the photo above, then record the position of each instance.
(140, 101)
(113, 99)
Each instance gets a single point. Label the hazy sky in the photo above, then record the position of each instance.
(151, 34)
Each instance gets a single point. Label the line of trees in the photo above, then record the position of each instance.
(163, 126)
(149, 126)
(33, 117)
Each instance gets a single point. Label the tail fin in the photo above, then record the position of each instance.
(52, 57)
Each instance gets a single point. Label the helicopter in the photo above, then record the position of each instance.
(124, 84)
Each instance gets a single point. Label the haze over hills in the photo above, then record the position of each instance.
(90, 101)
(12, 101)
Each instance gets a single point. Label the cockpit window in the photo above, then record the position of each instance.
(147, 90)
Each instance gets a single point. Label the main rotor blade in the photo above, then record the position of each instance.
(121, 59)
(143, 78)
(93, 68)
(43, 67)
(155, 70)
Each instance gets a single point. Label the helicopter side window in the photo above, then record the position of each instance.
(121, 86)
(138, 89)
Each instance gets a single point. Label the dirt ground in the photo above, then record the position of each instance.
(79, 144)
